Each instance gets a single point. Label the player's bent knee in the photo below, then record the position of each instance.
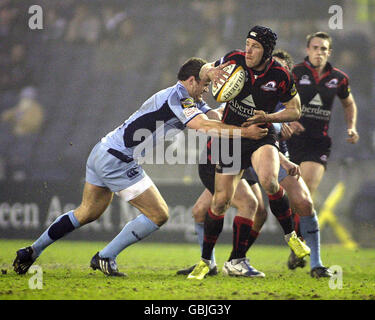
(199, 212)
(304, 207)
(270, 185)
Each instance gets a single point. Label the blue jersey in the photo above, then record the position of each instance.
(162, 115)
(277, 126)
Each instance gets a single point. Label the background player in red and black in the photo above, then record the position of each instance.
(318, 82)
(267, 83)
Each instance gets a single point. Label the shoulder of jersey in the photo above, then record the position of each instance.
(340, 73)
(277, 67)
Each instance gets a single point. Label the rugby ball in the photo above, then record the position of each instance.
(232, 86)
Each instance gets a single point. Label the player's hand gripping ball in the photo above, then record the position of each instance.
(232, 86)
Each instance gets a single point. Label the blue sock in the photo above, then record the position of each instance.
(310, 232)
(199, 229)
(133, 231)
(59, 228)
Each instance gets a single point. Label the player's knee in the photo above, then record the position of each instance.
(220, 205)
(199, 212)
(270, 185)
(162, 217)
(304, 206)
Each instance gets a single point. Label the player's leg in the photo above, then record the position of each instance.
(95, 200)
(302, 204)
(199, 211)
(154, 213)
(225, 185)
(312, 173)
(268, 172)
(246, 204)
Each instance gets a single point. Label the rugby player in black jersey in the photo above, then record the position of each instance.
(249, 202)
(267, 83)
(318, 82)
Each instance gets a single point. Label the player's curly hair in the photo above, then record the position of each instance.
(191, 67)
(285, 56)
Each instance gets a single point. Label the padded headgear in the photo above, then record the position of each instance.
(266, 37)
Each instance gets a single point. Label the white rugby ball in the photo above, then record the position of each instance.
(232, 86)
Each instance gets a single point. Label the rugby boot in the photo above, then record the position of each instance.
(199, 271)
(24, 260)
(300, 249)
(106, 265)
(294, 262)
(321, 272)
(241, 268)
(213, 271)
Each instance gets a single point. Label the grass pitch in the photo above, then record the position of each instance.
(151, 269)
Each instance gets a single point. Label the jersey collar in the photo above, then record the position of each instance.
(327, 70)
(254, 75)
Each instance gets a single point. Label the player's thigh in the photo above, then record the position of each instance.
(244, 200)
(152, 205)
(298, 194)
(201, 206)
(95, 200)
(312, 173)
(266, 164)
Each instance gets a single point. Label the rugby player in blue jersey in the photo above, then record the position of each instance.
(112, 167)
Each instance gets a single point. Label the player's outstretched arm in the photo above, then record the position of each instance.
(217, 128)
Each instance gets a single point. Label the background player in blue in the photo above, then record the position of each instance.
(112, 168)
(318, 82)
(267, 83)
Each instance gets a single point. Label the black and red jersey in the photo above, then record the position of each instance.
(317, 95)
(262, 91)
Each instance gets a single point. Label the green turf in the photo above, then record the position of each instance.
(151, 272)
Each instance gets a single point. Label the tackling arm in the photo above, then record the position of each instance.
(217, 128)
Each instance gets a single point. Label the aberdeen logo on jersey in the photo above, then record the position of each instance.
(269, 86)
(305, 80)
(333, 83)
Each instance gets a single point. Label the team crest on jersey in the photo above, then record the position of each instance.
(187, 102)
(332, 83)
(305, 80)
(269, 86)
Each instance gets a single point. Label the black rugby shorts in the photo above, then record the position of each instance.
(303, 149)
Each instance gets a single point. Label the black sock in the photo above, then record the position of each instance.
(279, 205)
(213, 225)
(241, 235)
(252, 237)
